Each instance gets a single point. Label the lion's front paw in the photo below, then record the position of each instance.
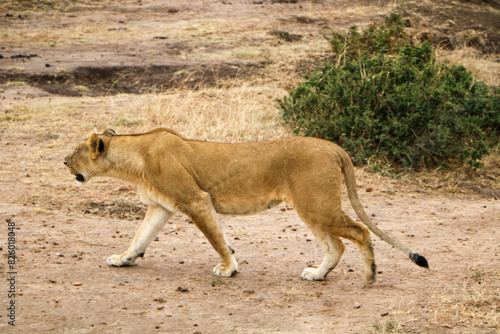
(119, 261)
(223, 271)
(312, 274)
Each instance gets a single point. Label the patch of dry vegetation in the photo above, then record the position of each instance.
(476, 304)
(231, 114)
(401, 320)
(58, 5)
(67, 33)
(236, 114)
(473, 307)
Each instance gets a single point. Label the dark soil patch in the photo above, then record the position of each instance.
(114, 209)
(110, 80)
(286, 36)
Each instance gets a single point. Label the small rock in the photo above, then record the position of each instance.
(357, 305)
(77, 284)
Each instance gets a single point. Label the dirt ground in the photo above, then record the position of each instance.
(68, 70)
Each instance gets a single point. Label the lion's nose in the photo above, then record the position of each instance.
(65, 162)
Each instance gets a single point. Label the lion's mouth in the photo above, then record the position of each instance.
(80, 178)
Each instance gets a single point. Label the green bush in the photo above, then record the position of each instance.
(387, 99)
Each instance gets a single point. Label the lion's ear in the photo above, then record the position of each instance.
(109, 132)
(96, 146)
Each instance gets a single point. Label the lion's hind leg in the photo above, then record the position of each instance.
(360, 235)
(328, 228)
(333, 248)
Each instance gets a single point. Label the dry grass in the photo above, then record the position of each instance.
(472, 307)
(476, 304)
(69, 34)
(400, 318)
(232, 114)
(400, 322)
(30, 6)
(484, 68)
(202, 40)
(196, 37)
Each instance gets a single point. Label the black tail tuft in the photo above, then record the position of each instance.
(419, 260)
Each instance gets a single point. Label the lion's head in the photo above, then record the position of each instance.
(84, 161)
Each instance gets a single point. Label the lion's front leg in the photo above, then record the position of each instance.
(155, 219)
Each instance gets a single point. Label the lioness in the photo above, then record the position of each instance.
(201, 179)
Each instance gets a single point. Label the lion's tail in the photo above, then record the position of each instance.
(350, 181)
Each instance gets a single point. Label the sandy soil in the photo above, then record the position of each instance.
(63, 233)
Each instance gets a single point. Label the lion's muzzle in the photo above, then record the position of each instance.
(79, 177)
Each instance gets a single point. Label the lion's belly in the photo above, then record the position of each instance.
(243, 206)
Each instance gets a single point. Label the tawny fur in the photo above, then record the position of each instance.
(201, 179)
